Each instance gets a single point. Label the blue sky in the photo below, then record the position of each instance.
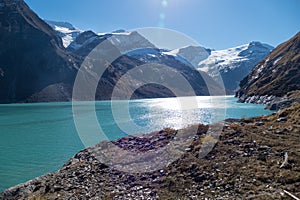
(217, 24)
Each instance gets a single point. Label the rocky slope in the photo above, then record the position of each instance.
(276, 78)
(254, 158)
(234, 64)
(31, 54)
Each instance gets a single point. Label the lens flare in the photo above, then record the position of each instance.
(164, 3)
(162, 16)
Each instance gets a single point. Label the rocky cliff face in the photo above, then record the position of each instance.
(31, 54)
(275, 77)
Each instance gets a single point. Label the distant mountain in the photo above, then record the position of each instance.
(135, 50)
(31, 54)
(193, 54)
(85, 43)
(196, 79)
(275, 76)
(36, 66)
(123, 40)
(235, 63)
(65, 30)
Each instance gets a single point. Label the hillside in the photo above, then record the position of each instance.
(31, 54)
(275, 77)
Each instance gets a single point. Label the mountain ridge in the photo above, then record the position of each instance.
(232, 64)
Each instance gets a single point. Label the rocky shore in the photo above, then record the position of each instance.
(272, 102)
(255, 158)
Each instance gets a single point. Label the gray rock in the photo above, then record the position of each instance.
(282, 119)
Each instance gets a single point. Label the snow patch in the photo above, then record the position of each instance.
(67, 40)
(261, 68)
(66, 31)
(62, 29)
(152, 55)
(277, 60)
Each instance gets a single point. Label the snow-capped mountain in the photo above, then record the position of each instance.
(182, 56)
(124, 41)
(66, 31)
(234, 63)
(127, 41)
(192, 54)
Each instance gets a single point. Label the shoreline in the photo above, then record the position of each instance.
(68, 104)
(272, 102)
(92, 101)
(233, 132)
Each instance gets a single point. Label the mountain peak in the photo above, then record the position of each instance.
(61, 24)
(260, 44)
(119, 31)
(255, 47)
(255, 43)
(65, 30)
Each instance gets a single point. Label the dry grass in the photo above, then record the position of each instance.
(38, 198)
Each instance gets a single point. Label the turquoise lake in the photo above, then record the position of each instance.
(40, 138)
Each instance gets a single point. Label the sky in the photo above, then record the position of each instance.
(215, 24)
